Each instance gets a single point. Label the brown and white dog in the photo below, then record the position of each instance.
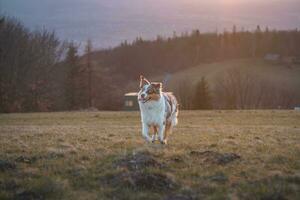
(159, 110)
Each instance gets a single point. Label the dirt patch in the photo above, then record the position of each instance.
(54, 153)
(219, 177)
(27, 159)
(7, 165)
(139, 161)
(152, 181)
(181, 197)
(185, 194)
(177, 159)
(140, 171)
(215, 157)
(141, 180)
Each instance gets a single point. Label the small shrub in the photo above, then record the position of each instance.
(215, 157)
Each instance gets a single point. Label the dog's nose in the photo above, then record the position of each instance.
(143, 95)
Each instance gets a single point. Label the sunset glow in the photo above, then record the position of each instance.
(92, 91)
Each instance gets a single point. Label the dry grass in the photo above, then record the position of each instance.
(101, 155)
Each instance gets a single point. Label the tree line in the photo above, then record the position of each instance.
(235, 89)
(190, 49)
(39, 72)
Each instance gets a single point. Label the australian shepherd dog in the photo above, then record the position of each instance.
(159, 110)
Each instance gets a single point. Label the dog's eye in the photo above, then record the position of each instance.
(150, 91)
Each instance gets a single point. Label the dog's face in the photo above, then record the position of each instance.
(149, 91)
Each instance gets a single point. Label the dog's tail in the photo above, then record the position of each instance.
(172, 108)
(174, 116)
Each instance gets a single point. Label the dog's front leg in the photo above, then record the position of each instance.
(154, 136)
(146, 132)
(161, 130)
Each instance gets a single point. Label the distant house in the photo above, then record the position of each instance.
(130, 101)
(270, 57)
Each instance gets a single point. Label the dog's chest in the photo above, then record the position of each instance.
(153, 113)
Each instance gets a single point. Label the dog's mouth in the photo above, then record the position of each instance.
(144, 100)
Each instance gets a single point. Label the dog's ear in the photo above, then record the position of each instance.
(143, 81)
(157, 86)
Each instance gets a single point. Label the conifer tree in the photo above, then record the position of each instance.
(72, 68)
(202, 98)
(88, 50)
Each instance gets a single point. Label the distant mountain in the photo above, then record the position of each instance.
(109, 22)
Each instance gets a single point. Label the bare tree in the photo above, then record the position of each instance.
(184, 93)
(235, 89)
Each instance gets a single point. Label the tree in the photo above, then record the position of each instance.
(183, 92)
(88, 51)
(27, 61)
(202, 98)
(236, 89)
(72, 70)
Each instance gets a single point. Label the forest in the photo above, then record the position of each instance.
(39, 72)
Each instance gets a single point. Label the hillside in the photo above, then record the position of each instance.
(278, 74)
(273, 85)
(101, 155)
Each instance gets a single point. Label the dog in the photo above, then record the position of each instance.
(159, 110)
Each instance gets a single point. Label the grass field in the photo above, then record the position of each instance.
(101, 155)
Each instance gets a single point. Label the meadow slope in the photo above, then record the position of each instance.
(101, 155)
(277, 74)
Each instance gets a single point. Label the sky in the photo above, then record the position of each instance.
(109, 22)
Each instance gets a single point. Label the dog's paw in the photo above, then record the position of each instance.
(154, 138)
(148, 139)
(163, 142)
